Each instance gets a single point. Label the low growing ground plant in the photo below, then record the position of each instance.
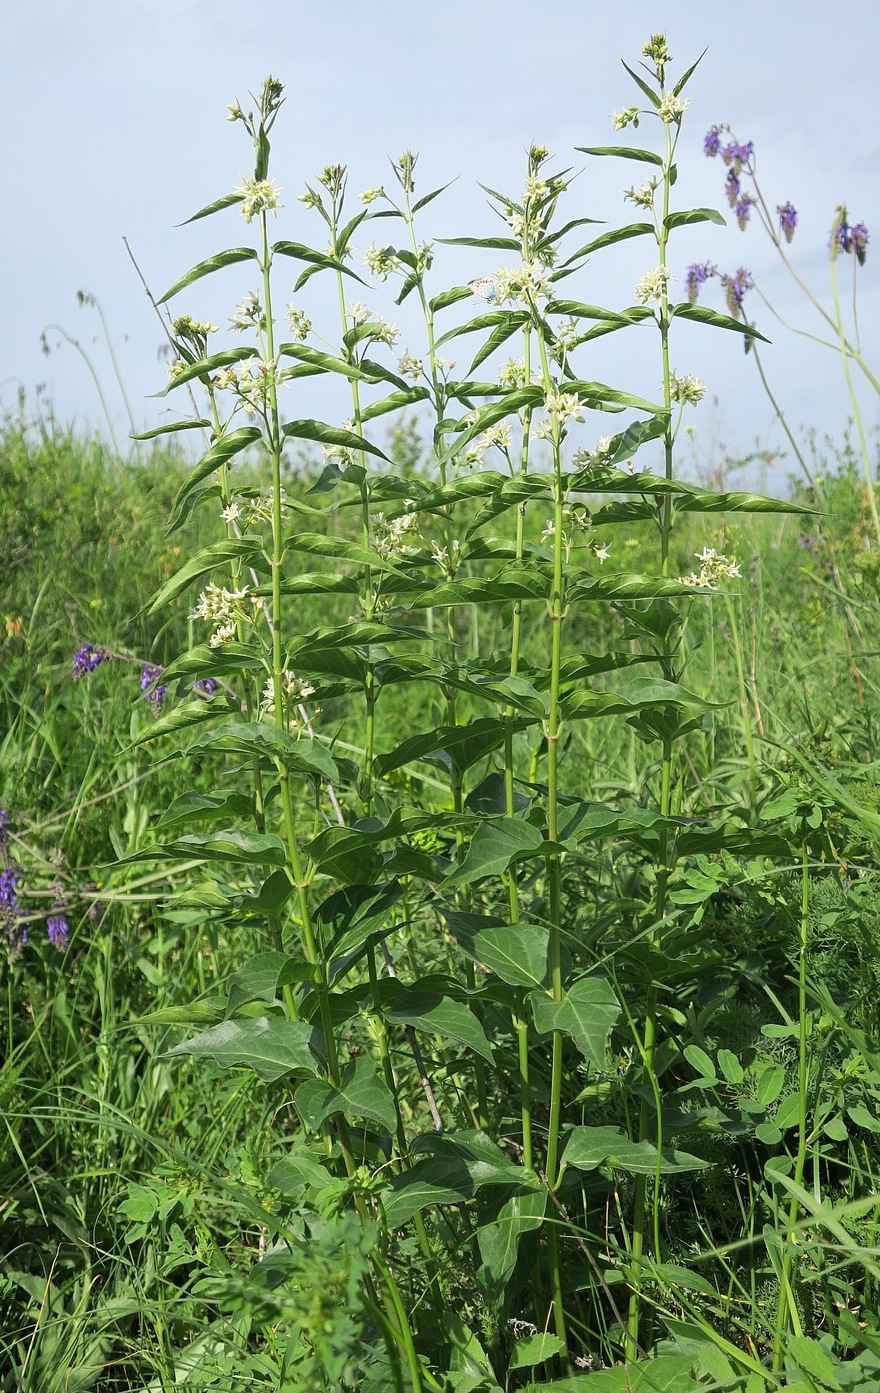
(530, 1070)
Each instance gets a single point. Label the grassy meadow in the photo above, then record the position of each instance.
(438, 850)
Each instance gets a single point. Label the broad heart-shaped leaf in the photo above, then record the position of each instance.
(213, 263)
(668, 1373)
(220, 453)
(272, 1048)
(459, 1164)
(499, 1234)
(534, 1349)
(496, 843)
(587, 1148)
(262, 978)
(325, 434)
(361, 1093)
(248, 550)
(517, 953)
(700, 314)
(426, 1008)
(263, 738)
(587, 1013)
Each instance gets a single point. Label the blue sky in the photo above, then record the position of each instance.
(115, 126)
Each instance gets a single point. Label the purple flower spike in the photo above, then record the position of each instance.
(696, 276)
(859, 239)
(732, 188)
(58, 930)
(712, 142)
(205, 686)
(787, 219)
(87, 659)
(735, 288)
(9, 878)
(744, 205)
(155, 697)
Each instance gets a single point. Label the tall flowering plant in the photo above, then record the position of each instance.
(419, 956)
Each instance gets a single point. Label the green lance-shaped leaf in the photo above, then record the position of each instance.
(587, 1013)
(204, 661)
(247, 549)
(206, 807)
(609, 239)
(264, 738)
(623, 152)
(229, 200)
(639, 694)
(499, 1237)
(219, 454)
(272, 1048)
(649, 92)
(598, 394)
(587, 1148)
(461, 746)
(206, 268)
(203, 367)
(172, 428)
(496, 411)
(238, 848)
(687, 216)
(361, 1093)
(449, 297)
(575, 309)
(701, 314)
(508, 320)
(512, 583)
(320, 261)
(192, 713)
(320, 583)
(325, 434)
(395, 402)
(505, 244)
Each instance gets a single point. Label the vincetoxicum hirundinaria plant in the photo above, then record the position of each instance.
(441, 964)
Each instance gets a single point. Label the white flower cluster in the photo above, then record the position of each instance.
(223, 609)
(411, 367)
(387, 534)
(628, 117)
(250, 381)
(293, 692)
(714, 567)
(672, 108)
(652, 284)
(447, 558)
(248, 315)
(522, 284)
(643, 197)
(381, 261)
(257, 196)
(512, 374)
(686, 389)
(299, 323)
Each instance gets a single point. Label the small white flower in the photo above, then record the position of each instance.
(672, 108)
(257, 196)
(652, 284)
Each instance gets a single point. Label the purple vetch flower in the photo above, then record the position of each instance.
(735, 288)
(732, 187)
(205, 686)
(859, 240)
(9, 878)
(787, 219)
(58, 930)
(806, 543)
(744, 205)
(696, 276)
(712, 142)
(87, 659)
(738, 155)
(150, 673)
